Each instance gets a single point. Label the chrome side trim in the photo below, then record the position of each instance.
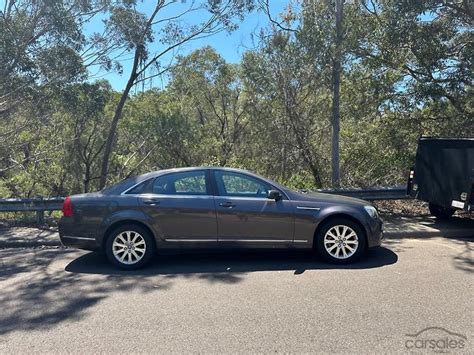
(246, 198)
(257, 240)
(175, 196)
(235, 240)
(172, 196)
(189, 240)
(300, 241)
(79, 238)
(307, 208)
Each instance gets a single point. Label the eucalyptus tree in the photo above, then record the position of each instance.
(41, 45)
(136, 31)
(430, 43)
(83, 109)
(325, 32)
(288, 98)
(215, 100)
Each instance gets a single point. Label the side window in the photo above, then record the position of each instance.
(235, 184)
(186, 183)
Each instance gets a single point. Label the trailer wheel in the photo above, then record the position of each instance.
(441, 212)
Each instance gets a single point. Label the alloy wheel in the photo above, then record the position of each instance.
(129, 247)
(341, 242)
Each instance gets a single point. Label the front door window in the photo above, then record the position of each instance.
(238, 185)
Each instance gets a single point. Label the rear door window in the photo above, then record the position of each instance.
(185, 183)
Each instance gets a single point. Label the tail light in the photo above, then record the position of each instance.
(411, 186)
(67, 207)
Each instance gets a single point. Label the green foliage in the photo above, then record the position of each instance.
(406, 72)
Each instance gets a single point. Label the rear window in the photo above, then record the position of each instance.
(142, 188)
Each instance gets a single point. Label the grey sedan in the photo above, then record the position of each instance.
(207, 207)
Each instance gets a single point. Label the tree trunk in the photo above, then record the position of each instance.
(113, 130)
(87, 177)
(336, 92)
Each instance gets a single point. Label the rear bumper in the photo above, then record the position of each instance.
(72, 236)
(79, 242)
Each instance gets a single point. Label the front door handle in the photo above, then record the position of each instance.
(151, 202)
(227, 204)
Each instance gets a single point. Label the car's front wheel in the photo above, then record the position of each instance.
(129, 247)
(340, 241)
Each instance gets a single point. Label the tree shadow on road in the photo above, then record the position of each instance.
(225, 267)
(426, 226)
(464, 260)
(39, 290)
(36, 293)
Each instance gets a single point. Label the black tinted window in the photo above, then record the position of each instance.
(186, 183)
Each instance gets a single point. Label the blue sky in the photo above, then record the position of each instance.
(230, 45)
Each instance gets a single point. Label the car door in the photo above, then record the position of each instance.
(181, 206)
(245, 214)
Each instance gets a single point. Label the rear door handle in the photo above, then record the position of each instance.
(226, 204)
(151, 202)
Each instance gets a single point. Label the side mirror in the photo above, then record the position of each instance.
(274, 195)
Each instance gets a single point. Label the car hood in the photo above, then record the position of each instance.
(330, 198)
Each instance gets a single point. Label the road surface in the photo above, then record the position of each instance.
(60, 300)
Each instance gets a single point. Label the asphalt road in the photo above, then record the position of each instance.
(60, 300)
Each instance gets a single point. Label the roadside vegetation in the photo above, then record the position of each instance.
(389, 71)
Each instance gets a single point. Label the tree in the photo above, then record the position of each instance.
(404, 71)
(319, 27)
(286, 94)
(136, 31)
(215, 101)
(83, 110)
(41, 44)
(430, 44)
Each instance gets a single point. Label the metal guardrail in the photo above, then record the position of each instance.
(372, 194)
(38, 205)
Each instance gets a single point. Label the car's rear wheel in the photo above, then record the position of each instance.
(340, 241)
(441, 212)
(129, 247)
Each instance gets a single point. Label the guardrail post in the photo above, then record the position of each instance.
(40, 217)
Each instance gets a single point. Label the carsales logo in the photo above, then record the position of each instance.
(435, 339)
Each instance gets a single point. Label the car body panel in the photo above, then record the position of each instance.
(178, 221)
(254, 220)
(181, 218)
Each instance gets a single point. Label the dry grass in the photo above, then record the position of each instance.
(409, 208)
(402, 207)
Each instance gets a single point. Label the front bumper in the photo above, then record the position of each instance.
(375, 233)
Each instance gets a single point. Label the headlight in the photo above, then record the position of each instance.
(372, 211)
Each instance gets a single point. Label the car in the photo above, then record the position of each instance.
(215, 208)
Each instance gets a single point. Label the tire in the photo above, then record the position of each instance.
(351, 235)
(129, 247)
(441, 212)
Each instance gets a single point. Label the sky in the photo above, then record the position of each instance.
(230, 46)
